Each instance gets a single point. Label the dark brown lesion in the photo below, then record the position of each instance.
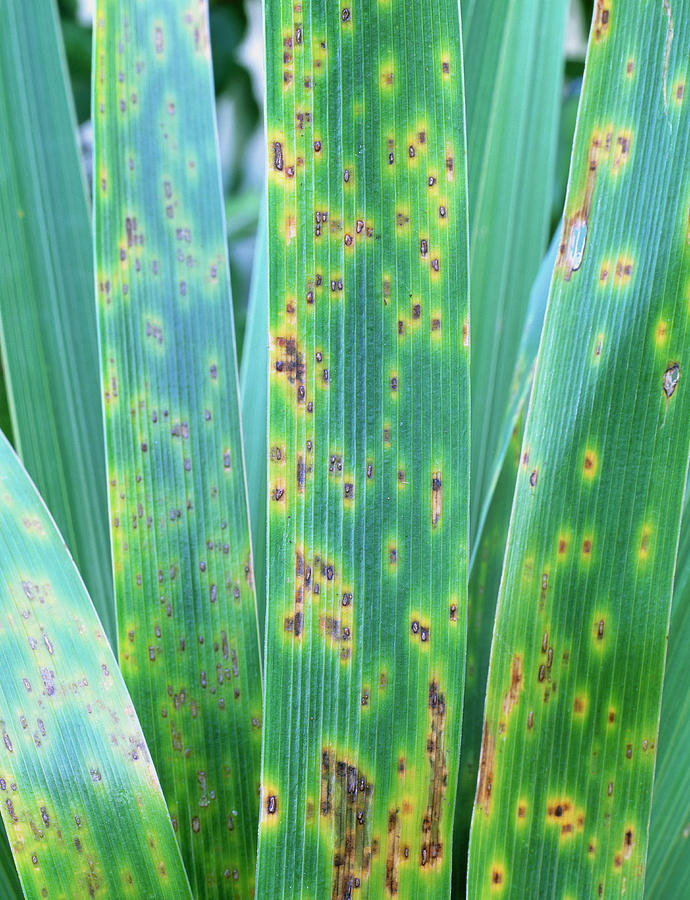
(392, 852)
(602, 16)
(486, 771)
(293, 622)
(289, 363)
(432, 845)
(346, 797)
(338, 631)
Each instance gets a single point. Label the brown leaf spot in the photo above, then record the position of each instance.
(486, 771)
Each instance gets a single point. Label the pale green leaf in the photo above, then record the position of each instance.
(182, 555)
(79, 795)
(47, 312)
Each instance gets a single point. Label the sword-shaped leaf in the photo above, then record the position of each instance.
(513, 76)
(183, 576)
(254, 399)
(368, 437)
(47, 313)
(79, 795)
(572, 711)
(485, 579)
(668, 861)
(10, 887)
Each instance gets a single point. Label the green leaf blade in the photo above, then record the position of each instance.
(513, 73)
(178, 506)
(80, 796)
(254, 400)
(47, 314)
(484, 583)
(577, 663)
(668, 867)
(368, 438)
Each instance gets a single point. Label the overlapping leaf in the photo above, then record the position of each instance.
(368, 438)
(47, 315)
(79, 794)
(254, 400)
(178, 507)
(485, 579)
(513, 73)
(668, 863)
(577, 662)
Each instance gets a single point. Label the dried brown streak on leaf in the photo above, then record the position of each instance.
(393, 852)
(432, 847)
(574, 237)
(486, 770)
(346, 799)
(513, 695)
(436, 499)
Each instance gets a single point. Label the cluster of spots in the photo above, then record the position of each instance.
(544, 670)
(419, 630)
(196, 22)
(346, 797)
(288, 363)
(563, 814)
(324, 185)
(574, 233)
(311, 576)
(432, 846)
(622, 271)
(180, 531)
(602, 15)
